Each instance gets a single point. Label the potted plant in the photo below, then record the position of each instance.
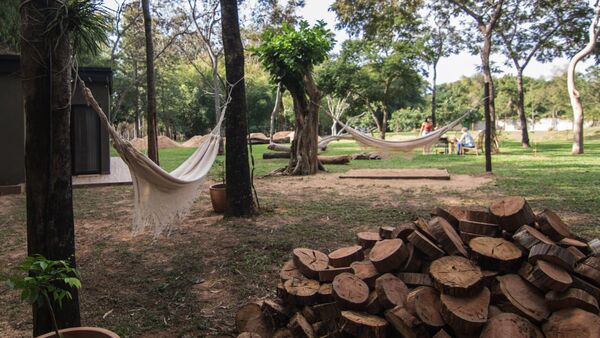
(44, 280)
(218, 196)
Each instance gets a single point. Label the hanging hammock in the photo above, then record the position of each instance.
(161, 198)
(399, 146)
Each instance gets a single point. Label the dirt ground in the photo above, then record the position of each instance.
(190, 283)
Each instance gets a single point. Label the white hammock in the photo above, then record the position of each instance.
(161, 198)
(401, 146)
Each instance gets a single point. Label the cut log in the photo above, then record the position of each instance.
(248, 335)
(301, 292)
(594, 246)
(512, 212)
(343, 257)
(456, 276)
(415, 279)
(329, 274)
(350, 291)
(283, 333)
(391, 291)
(572, 323)
(366, 271)
(425, 246)
(289, 271)
(493, 310)
(359, 324)
(300, 327)
(553, 254)
(527, 236)
(571, 298)
(325, 293)
(310, 262)
(579, 283)
(424, 303)
(250, 318)
(546, 276)
(447, 237)
(466, 315)
(495, 254)
(423, 226)
(405, 229)
(447, 215)
(367, 239)
(489, 277)
(324, 328)
(589, 269)
(567, 242)
(337, 159)
(388, 255)
(413, 262)
(509, 325)
(524, 297)
(466, 237)
(277, 155)
(373, 305)
(479, 228)
(275, 311)
(577, 253)
(552, 225)
(441, 334)
(388, 232)
(482, 215)
(327, 311)
(310, 315)
(405, 323)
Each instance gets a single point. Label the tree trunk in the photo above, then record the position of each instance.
(304, 159)
(137, 103)
(384, 122)
(488, 102)
(434, 92)
(46, 81)
(276, 110)
(151, 83)
(240, 202)
(521, 109)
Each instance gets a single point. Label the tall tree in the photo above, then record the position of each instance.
(541, 30)
(9, 29)
(50, 31)
(151, 85)
(290, 55)
(485, 14)
(239, 187)
(594, 33)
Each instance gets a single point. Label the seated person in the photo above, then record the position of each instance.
(466, 140)
(426, 127)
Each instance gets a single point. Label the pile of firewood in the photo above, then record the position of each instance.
(502, 271)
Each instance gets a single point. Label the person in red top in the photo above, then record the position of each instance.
(426, 127)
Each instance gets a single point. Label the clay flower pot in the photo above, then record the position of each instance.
(82, 332)
(218, 197)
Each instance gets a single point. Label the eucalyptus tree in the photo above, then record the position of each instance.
(51, 32)
(485, 16)
(538, 30)
(290, 55)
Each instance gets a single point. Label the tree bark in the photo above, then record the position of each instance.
(151, 83)
(488, 127)
(573, 93)
(240, 202)
(46, 80)
(276, 110)
(434, 92)
(521, 109)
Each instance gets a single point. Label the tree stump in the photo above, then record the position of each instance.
(343, 257)
(329, 274)
(571, 298)
(546, 276)
(350, 291)
(447, 237)
(366, 271)
(367, 239)
(310, 262)
(359, 324)
(325, 293)
(405, 323)
(510, 325)
(250, 318)
(572, 323)
(552, 225)
(301, 291)
(527, 236)
(373, 305)
(495, 254)
(413, 262)
(479, 228)
(447, 215)
(512, 212)
(289, 271)
(300, 327)
(589, 269)
(415, 279)
(456, 276)
(391, 291)
(424, 303)
(553, 254)
(425, 246)
(524, 297)
(388, 254)
(466, 315)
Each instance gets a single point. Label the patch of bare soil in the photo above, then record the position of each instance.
(194, 141)
(164, 142)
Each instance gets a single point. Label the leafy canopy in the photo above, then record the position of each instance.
(289, 54)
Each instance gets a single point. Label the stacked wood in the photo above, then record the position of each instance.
(494, 272)
(337, 159)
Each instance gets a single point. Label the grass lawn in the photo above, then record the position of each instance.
(190, 283)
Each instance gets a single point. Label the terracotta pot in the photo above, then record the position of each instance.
(218, 197)
(82, 332)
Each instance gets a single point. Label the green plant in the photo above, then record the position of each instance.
(45, 280)
(220, 167)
